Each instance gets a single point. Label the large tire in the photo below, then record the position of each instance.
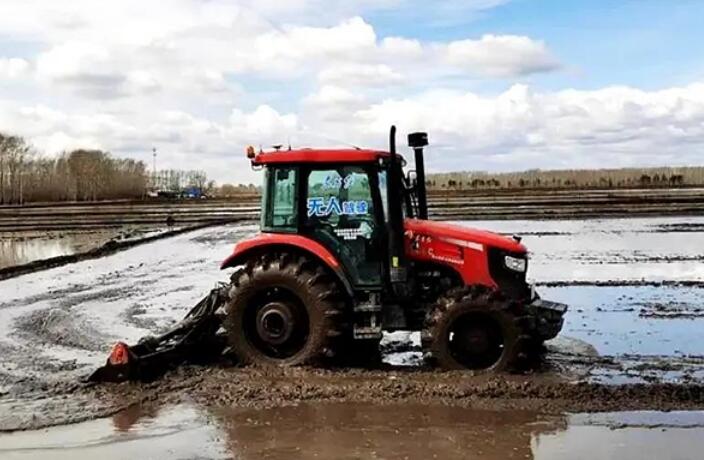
(473, 328)
(284, 310)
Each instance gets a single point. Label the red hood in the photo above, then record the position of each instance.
(459, 232)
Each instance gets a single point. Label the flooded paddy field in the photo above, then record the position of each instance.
(631, 342)
(40, 231)
(19, 248)
(35, 233)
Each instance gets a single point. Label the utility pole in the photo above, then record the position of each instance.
(154, 168)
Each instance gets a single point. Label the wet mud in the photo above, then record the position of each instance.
(228, 386)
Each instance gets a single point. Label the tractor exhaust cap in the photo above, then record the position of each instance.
(417, 140)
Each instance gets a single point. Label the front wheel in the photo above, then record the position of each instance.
(472, 328)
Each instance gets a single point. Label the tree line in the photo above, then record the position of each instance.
(569, 179)
(177, 180)
(79, 175)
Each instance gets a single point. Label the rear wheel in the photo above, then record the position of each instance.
(472, 328)
(284, 310)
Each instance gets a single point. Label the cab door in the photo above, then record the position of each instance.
(341, 213)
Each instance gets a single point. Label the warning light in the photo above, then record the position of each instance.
(250, 152)
(119, 355)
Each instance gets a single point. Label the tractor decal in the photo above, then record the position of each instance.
(335, 182)
(320, 207)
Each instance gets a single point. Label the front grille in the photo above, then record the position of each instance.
(511, 283)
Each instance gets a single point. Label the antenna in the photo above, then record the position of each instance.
(328, 138)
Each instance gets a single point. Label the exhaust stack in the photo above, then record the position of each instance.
(397, 259)
(417, 141)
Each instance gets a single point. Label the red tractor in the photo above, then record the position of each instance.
(346, 251)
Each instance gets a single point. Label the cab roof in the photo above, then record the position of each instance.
(319, 156)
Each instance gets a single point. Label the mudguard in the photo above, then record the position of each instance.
(276, 241)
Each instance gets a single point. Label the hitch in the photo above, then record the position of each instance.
(193, 339)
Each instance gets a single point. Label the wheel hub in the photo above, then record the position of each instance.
(474, 340)
(275, 323)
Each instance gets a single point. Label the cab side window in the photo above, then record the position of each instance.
(280, 205)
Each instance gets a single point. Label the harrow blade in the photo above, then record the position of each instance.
(193, 339)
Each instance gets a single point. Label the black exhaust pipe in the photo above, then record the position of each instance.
(417, 141)
(397, 259)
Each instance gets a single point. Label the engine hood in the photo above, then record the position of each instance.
(462, 233)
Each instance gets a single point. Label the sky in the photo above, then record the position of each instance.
(499, 85)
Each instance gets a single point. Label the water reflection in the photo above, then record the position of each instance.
(22, 248)
(17, 251)
(346, 431)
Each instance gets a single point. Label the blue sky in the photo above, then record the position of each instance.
(648, 43)
(499, 84)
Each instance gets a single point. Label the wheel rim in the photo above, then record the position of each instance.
(475, 341)
(276, 324)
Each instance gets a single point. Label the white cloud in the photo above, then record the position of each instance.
(332, 104)
(264, 123)
(87, 68)
(400, 47)
(359, 75)
(501, 55)
(11, 68)
(616, 125)
(515, 129)
(142, 81)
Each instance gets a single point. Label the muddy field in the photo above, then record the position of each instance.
(631, 342)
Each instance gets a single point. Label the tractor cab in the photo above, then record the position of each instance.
(340, 204)
(351, 201)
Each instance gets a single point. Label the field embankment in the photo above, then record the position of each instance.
(446, 205)
(564, 204)
(43, 235)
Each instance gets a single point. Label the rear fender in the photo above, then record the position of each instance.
(268, 242)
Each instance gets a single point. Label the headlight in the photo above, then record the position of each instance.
(515, 264)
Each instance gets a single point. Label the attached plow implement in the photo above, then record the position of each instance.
(196, 338)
